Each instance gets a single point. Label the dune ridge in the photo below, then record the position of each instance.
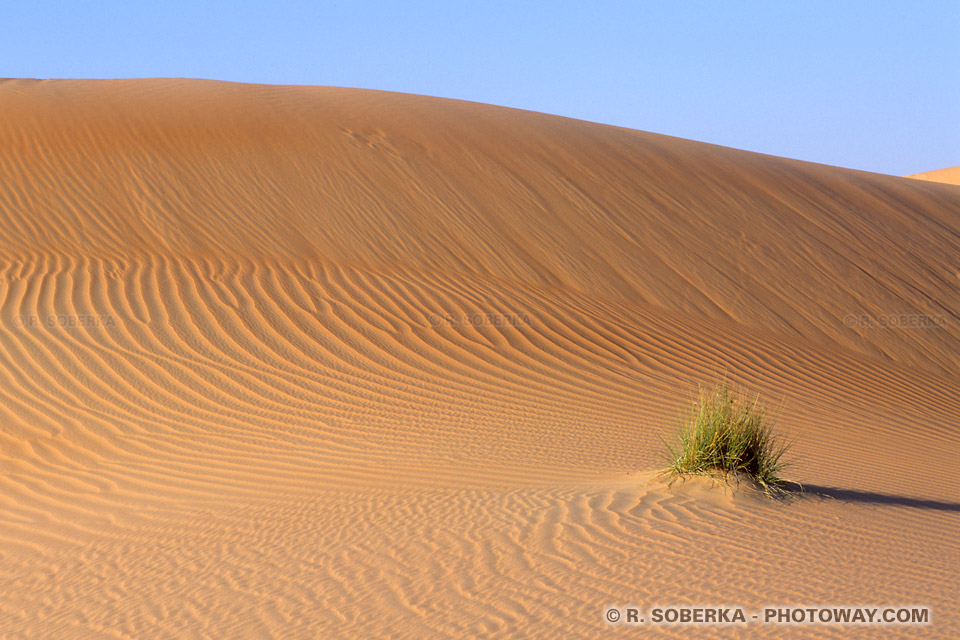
(348, 351)
(950, 175)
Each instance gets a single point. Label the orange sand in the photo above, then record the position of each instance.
(361, 364)
(947, 176)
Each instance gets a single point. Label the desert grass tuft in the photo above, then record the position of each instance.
(729, 433)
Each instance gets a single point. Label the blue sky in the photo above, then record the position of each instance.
(868, 85)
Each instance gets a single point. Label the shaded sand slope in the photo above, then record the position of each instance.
(368, 364)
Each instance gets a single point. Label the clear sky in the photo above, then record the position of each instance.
(872, 85)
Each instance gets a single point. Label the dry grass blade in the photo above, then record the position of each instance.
(729, 433)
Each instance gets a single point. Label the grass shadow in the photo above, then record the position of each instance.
(870, 497)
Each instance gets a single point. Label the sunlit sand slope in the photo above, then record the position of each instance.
(947, 176)
(298, 362)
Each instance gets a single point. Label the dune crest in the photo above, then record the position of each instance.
(950, 175)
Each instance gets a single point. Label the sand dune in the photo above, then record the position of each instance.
(284, 362)
(950, 175)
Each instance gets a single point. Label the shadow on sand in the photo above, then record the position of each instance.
(869, 497)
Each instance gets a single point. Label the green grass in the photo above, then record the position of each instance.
(729, 433)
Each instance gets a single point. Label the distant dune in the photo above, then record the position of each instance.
(304, 362)
(947, 176)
